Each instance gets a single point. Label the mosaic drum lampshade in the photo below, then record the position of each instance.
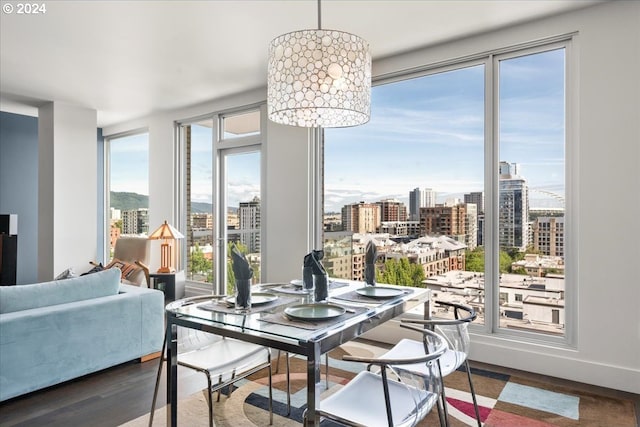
(319, 78)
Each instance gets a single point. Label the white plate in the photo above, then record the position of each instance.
(314, 311)
(257, 298)
(379, 292)
(296, 282)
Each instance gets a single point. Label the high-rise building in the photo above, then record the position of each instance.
(361, 217)
(444, 221)
(425, 198)
(135, 221)
(471, 225)
(392, 210)
(548, 235)
(513, 208)
(477, 198)
(249, 215)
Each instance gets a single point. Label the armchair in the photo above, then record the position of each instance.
(131, 251)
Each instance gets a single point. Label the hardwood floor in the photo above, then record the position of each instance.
(122, 393)
(107, 398)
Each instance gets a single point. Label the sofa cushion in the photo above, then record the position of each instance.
(23, 297)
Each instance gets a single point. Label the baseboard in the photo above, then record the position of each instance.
(151, 356)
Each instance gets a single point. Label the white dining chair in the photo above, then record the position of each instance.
(375, 399)
(456, 333)
(222, 360)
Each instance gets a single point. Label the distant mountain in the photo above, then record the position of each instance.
(128, 201)
(200, 207)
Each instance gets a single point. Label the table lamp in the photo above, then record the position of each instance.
(167, 234)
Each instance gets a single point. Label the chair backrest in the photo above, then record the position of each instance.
(134, 250)
(429, 383)
(455, 331)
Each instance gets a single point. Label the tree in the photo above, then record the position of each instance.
(199, 264)
(400, 272)
(520, 270)
(505, 262)
(475, 260)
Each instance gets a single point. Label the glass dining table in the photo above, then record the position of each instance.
(283, 317)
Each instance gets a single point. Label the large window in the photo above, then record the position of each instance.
(531, 190)
(222, 196)
(414, 179)
(128, 185)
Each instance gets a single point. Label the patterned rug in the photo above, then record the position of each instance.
(504, 400)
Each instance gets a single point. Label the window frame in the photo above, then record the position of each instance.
(220, 147)
(106, 253)
(491, 178)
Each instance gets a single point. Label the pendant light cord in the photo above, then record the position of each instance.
(319, 16)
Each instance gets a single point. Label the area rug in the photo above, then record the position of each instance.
(504, 400)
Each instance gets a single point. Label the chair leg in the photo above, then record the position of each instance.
(220, 389)
(443, 395)
(326, 371)
(473, 393)
(270, 396)
(210, 400)
(155, 389)
(443, 421)
(288, 385)
(233, 376)
(278, 361)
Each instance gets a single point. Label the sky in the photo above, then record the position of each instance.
(129, 164)
(426, 132)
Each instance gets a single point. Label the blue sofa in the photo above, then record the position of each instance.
(56, 331)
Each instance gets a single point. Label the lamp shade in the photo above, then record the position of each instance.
(166, 232)
(319, 78)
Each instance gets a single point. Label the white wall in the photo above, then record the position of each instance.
(67, 199)
(285, 218)
(605, 164)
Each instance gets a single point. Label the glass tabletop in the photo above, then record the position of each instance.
(271, 321)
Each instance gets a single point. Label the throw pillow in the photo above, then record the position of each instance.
(129, 271)
(95, 269)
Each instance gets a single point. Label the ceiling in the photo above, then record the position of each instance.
(127, 59)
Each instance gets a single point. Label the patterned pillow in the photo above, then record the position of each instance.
(129, 271)
(95, 269)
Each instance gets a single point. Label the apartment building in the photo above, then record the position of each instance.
(361, 217)
(548, 235)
